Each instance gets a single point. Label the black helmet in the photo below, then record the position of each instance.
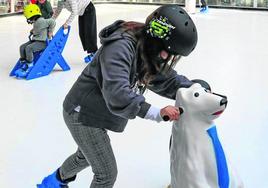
(173, 26)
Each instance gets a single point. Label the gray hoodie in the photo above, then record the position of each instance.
(104, 89)
(41, 27)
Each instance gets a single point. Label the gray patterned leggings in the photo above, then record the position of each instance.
(94, 149)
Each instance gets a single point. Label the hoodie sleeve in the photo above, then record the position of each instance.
(74, 7)
(115, 65)
(168, 84)
(58, 10)
(50, 24)
(49, 9)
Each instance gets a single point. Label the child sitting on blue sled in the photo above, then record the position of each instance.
(42, 29)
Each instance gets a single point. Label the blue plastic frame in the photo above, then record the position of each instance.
(45, 61)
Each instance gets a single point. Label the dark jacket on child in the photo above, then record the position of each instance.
(45, 9)
(104, 91)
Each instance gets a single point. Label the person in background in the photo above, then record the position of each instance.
(45, 7)
(204, 7)
(42, 29)
(33, 1)
(86, 21)
(109, 92)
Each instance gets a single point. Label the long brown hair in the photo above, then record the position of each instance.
(146, 68)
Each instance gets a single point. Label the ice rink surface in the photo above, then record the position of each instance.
(231, 54)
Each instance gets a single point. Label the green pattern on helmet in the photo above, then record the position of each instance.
(159, 27)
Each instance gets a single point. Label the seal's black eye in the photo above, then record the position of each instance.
(196, 94)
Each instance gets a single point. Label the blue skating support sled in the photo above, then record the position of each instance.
(45, 61)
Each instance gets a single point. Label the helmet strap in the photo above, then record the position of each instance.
(29, 21)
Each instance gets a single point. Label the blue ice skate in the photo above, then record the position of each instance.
(89, 58)
(45, 61)
(51, 181)
(204, 9)
(22, 66)
(24, 70)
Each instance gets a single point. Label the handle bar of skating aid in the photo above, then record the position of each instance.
(166, 118)
(30, 36)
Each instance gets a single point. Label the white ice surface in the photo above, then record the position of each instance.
(231, 55)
